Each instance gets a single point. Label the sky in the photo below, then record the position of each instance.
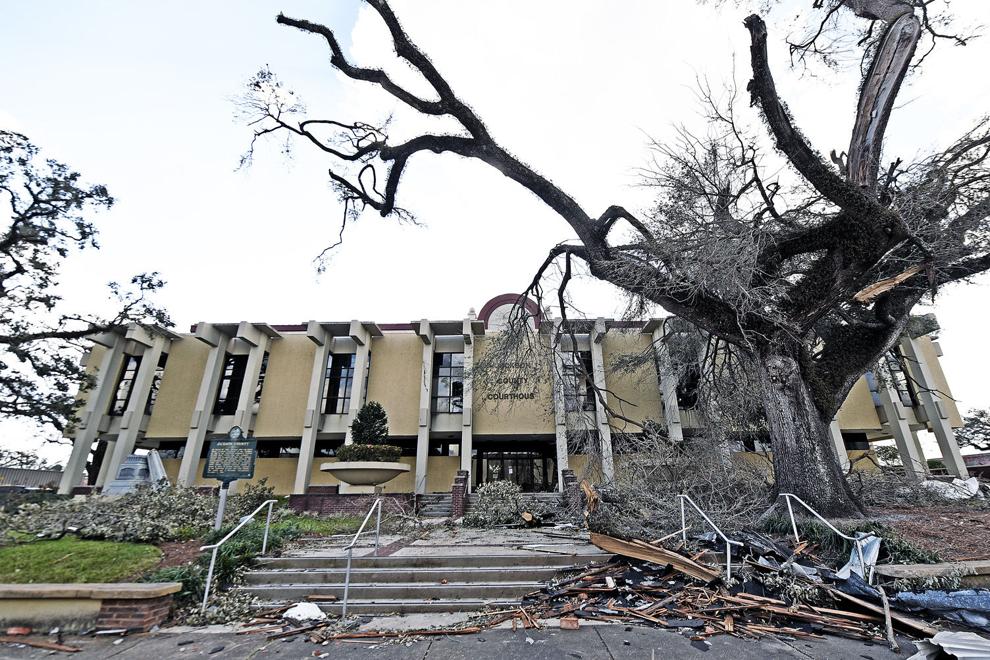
(139, 96)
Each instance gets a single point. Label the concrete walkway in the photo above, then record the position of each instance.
(604, 642)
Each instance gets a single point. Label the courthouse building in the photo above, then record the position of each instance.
(296, 389)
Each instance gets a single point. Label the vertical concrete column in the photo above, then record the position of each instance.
(559, 407)
(311, 420)
(203, 410)
(425, 398)
(130, 421)
(668, 387)
(467, 403)
(931, 401)
(92, 414)
(101, 477)
(363, 341)
(259, 342)
(601, 417)
(835, 433)
(908, 447)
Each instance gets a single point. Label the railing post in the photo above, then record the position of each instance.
(347, 579)
(790, 510)
(378, 524)
(268, 522)
(209, 577)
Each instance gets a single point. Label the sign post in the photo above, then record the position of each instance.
(229, 459)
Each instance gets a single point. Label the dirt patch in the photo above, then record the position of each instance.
(177, 553)
(956, 534)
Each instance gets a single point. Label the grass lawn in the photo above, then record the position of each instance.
(322, 526)
(73, 560)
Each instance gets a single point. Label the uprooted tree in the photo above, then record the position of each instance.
(809, 274)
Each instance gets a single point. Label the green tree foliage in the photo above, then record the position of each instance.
(369, 430)
(25, 460)
(48, 208)
(976, 430)
(370, 426)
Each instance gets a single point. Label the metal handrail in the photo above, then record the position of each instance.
(728, 542)
(350, 548)
(857, 542)
(216, 546)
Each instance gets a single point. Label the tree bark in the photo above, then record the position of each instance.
(804, 460)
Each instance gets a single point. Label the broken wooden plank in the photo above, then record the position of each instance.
(915, 626)
(655, 555)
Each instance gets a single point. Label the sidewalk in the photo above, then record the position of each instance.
(602, 642)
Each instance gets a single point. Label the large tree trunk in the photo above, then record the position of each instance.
(804, 461)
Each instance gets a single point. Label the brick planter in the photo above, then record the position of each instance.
(572, 492)
(133, 614)
(326, 501)
(458, 495)
(106, 606)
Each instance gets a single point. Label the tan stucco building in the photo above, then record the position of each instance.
(296, 388)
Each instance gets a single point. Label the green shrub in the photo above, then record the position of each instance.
(355, 452)
(834, 549)
(498, 504)
(145, 515)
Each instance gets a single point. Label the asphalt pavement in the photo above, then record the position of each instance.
(601, 642)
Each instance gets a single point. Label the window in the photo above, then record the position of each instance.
(125, 383)
(579, 390)
(261, 378)
(278, 448)
(156, 382)
(687, 387)
(337, 384)
(900, 379)
(448, 383)
(234, 367)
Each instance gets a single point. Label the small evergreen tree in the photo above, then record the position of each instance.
(369, 431)
(370, 426)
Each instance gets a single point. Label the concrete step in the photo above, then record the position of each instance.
(400, 606)
(486, 574)
(433, 561)
(396, 591)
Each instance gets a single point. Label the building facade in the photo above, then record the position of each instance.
(296, 389)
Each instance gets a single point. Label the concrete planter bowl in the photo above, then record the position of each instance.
(365, 473)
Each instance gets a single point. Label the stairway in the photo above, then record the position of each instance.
(409, 583)
(435, 505)
(526, 500)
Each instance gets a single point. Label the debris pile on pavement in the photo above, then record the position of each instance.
(773, 591)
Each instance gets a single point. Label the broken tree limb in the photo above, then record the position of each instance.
(869, 293)
(655, 555)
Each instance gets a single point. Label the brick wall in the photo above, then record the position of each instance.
(572, 492)
(458, 494)
(326, 501)
(134, 613)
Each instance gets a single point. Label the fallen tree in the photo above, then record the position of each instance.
(808, 271)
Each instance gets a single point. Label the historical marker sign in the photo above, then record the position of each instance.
(231, 458)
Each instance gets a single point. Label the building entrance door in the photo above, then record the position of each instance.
(532, 471)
